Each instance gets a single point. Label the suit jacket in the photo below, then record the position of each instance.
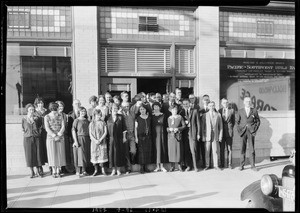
(193, 123)
(244, 123)
(165, 109)
(202, 111)
(196, 106)
(209, 125)
(228, 123)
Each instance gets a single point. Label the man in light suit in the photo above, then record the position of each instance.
(191, 134)
(228, 118)
(212, 133)
(248, 122)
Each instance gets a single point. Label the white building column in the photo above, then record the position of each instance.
(207, 53)
(85, 53)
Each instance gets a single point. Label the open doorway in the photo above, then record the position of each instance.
(155, 85)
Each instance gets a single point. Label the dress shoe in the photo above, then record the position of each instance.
(230, 167)
(156, 170)
(218, 168)
(180, 168)
(163, 169)
(254, 169)
(84, 174)
(196, 170)
(241, 168)
(128, 172)
(113, 172)
(118, 173)
(206, 168)
(188, 169)
(172, 169)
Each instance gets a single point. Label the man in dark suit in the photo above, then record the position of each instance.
(71, 117)
(248, 122)
(191, 134)
(166, 106)
(193, 102)
(202, 111)
(228, 118)
(178, 94)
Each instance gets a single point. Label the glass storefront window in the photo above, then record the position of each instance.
(28, 77)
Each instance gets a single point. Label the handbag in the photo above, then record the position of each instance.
(178, 136)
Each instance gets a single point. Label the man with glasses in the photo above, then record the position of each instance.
(193, 102)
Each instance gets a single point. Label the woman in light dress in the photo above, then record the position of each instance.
(55, 127)
(98, 132)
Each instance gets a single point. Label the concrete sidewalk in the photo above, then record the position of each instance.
(205, 189)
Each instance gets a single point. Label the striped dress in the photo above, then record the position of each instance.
(55, 149)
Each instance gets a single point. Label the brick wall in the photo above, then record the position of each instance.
(85, 54)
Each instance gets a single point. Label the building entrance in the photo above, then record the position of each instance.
(155, 85)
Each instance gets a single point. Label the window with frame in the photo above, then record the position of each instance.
(184, 60)
(265, 28)
(18, 20)
(148, 24)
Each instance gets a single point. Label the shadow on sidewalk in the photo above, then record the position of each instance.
(42, 202)
(10, 177)
(155, 200)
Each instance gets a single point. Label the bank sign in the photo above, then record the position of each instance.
(266, 81)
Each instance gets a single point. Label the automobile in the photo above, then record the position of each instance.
(273, 193)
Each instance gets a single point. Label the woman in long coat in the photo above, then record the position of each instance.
(40, 112)
(143, 138)
(159, 141)
(176, 125)
(116, 127)
(31, 126)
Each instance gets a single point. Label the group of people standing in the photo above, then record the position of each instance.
(152, 129)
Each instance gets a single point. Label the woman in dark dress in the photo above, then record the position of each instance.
(143, 138)
(82, 143)
(175, 126)
(116, 127)
(31, 126)
(160, 143)
(40, 111)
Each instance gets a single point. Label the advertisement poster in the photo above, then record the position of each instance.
(269, 82)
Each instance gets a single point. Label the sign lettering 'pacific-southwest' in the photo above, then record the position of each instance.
(266, 81)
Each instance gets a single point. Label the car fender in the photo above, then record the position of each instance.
(258, 200)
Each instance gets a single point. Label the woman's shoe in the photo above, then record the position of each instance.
(84, 174)
(113, 172)
(32, 175)
(163, 169)
(95, 173)
(172, 169)
(179, 167)
(54, 175)
(157, 169)
(118, 173)
(103, 171)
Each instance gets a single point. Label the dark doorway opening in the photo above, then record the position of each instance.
(155, 85)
